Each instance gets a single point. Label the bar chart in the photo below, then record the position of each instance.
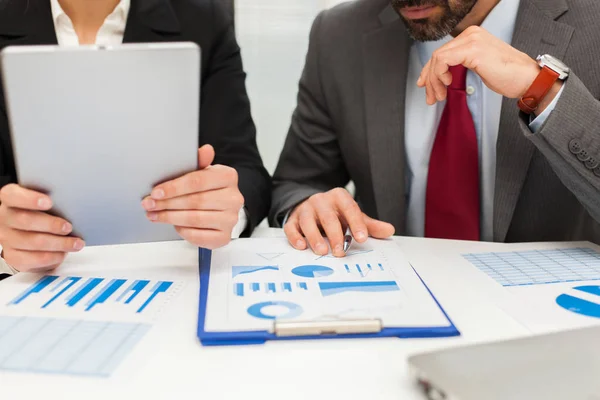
(363, 270)
(89, 294)
(243, 289)
(66, 346)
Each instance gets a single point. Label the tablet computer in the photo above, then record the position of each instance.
(97, 128)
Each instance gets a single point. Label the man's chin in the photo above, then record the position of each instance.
(424, 30)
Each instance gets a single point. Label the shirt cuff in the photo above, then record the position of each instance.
(5, 268)
(242, 224)
(535, 123)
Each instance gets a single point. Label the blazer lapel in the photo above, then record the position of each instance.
(386, 54)
(536, 32)
(27, 23)
(151, 21)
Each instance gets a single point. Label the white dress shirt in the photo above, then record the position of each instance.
(111, 33)
(422, 123)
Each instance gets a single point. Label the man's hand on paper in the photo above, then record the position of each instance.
(203, 205)
(330, 213)
(32, 239)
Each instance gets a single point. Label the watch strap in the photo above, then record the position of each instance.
(538, 90)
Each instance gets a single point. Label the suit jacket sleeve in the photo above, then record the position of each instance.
(570, 141)
(311, 160)
(226, 121)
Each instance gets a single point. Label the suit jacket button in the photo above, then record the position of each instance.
(583, 156)
(597, 172)
(575, 146)
(592, 163)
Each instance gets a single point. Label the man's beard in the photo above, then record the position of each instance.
(435, 27)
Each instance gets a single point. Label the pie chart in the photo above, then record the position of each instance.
(312, 271)
(275, 310)
(588, 306)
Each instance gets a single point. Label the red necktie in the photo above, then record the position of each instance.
(452, 202)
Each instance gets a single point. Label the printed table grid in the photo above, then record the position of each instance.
(535, 267)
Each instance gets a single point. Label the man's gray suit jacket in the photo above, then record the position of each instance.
(349, 123)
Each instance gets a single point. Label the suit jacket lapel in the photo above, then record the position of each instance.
(536, 32)
(151, 21)
(27, 23)
(386, 54)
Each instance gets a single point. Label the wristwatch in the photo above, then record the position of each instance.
(552, 70)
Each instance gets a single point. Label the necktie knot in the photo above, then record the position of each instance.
(459, 77)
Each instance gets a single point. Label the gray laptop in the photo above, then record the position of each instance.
(97, 127)
(558, 366)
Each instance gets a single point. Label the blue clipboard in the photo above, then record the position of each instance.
(261, 337)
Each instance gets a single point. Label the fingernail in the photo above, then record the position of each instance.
(361, 236)
(300, 244)
(79, 244)
(158, 194)
(149, 204)
(66, 228)
(44, 203)
(321, 248)
(152, 216)
(339, 249)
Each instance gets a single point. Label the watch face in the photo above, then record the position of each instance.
(554, 64)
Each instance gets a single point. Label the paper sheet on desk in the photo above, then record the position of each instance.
(78, 325)
(256, 281)
(545, 287)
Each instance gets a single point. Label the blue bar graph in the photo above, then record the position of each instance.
(86, 294)
(105, 293)
(39, 286)
(73, 280)
(136, 288)
(245, 289)
(360, 270)
(83, 291)
(160, 287)
(239, 289)
(363, 270)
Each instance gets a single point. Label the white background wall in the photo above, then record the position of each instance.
(273, 35)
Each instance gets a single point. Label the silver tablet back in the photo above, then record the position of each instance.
(97, 128)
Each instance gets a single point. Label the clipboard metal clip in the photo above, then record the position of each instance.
(333, 327)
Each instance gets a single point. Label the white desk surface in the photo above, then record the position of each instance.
(181, 368)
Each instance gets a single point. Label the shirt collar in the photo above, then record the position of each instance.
(121, 11)
(500, 22)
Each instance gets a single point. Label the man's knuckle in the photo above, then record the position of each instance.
(316, 198)
(329, 218)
